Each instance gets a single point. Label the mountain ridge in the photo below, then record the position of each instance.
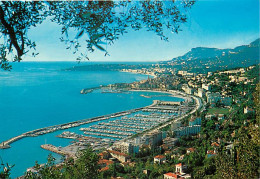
(216, 59)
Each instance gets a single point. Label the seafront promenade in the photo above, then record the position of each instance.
(149, 119)
(200, 106)
(45, 130)
(159, 106)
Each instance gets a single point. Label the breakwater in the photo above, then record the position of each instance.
(45, 130)
(55, 149)
(156, 106)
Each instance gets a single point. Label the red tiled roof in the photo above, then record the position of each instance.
(118, 153)
(215, 144)
(160, 156)
(179, 164)
(171, 175)
(104, 169)
(210, 152)
(107, 162)
(191, 149)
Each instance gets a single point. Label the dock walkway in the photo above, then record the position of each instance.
(45, 130)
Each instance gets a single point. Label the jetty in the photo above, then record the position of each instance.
(120, 128)
(50, 129)
(57, 150)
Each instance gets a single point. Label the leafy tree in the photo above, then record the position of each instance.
(243, 161)
(5, 170)
(86, 166)
(98, 23)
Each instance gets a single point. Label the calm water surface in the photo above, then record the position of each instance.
(35, 95)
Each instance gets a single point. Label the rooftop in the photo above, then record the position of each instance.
(118, 153)
(171, 175)
(159, 156)
(107, 162)
(179, 164)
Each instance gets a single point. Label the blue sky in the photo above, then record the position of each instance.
(211, 23)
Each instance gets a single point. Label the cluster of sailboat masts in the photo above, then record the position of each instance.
(126, 125)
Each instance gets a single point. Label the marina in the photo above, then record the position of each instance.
(45, 130)
(118, 125)
(139, 121)
(50, 129)
(105, 129)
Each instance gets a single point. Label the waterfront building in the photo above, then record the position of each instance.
(127, 147)
(187, 89)
(210, 74)
(189, 130)
(153, 139)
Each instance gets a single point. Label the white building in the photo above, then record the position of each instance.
(206, 86)
(187, 89)
(126, 147)
(201, 92)
(159, 159)
(189, 130)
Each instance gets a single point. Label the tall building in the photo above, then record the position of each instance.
(126, 147)
(189, 130)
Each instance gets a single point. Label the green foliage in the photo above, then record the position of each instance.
(16, 18)
(218, 59)
(86, 166)
(5, 170)
(98, 23)
(243, 161)
(218, 111)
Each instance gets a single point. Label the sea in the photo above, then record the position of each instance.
(40, 94)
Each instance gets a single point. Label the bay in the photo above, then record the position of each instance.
(40, 94)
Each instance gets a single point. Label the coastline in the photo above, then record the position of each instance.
(199, 106)
(187, 98)
(149, 74)
(175, 94)
(50, 129)
(6, 144)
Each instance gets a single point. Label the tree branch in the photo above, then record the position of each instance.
(11, 33)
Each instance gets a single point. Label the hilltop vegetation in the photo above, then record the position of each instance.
(198, 60)
(224, 148)
(212, 59)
